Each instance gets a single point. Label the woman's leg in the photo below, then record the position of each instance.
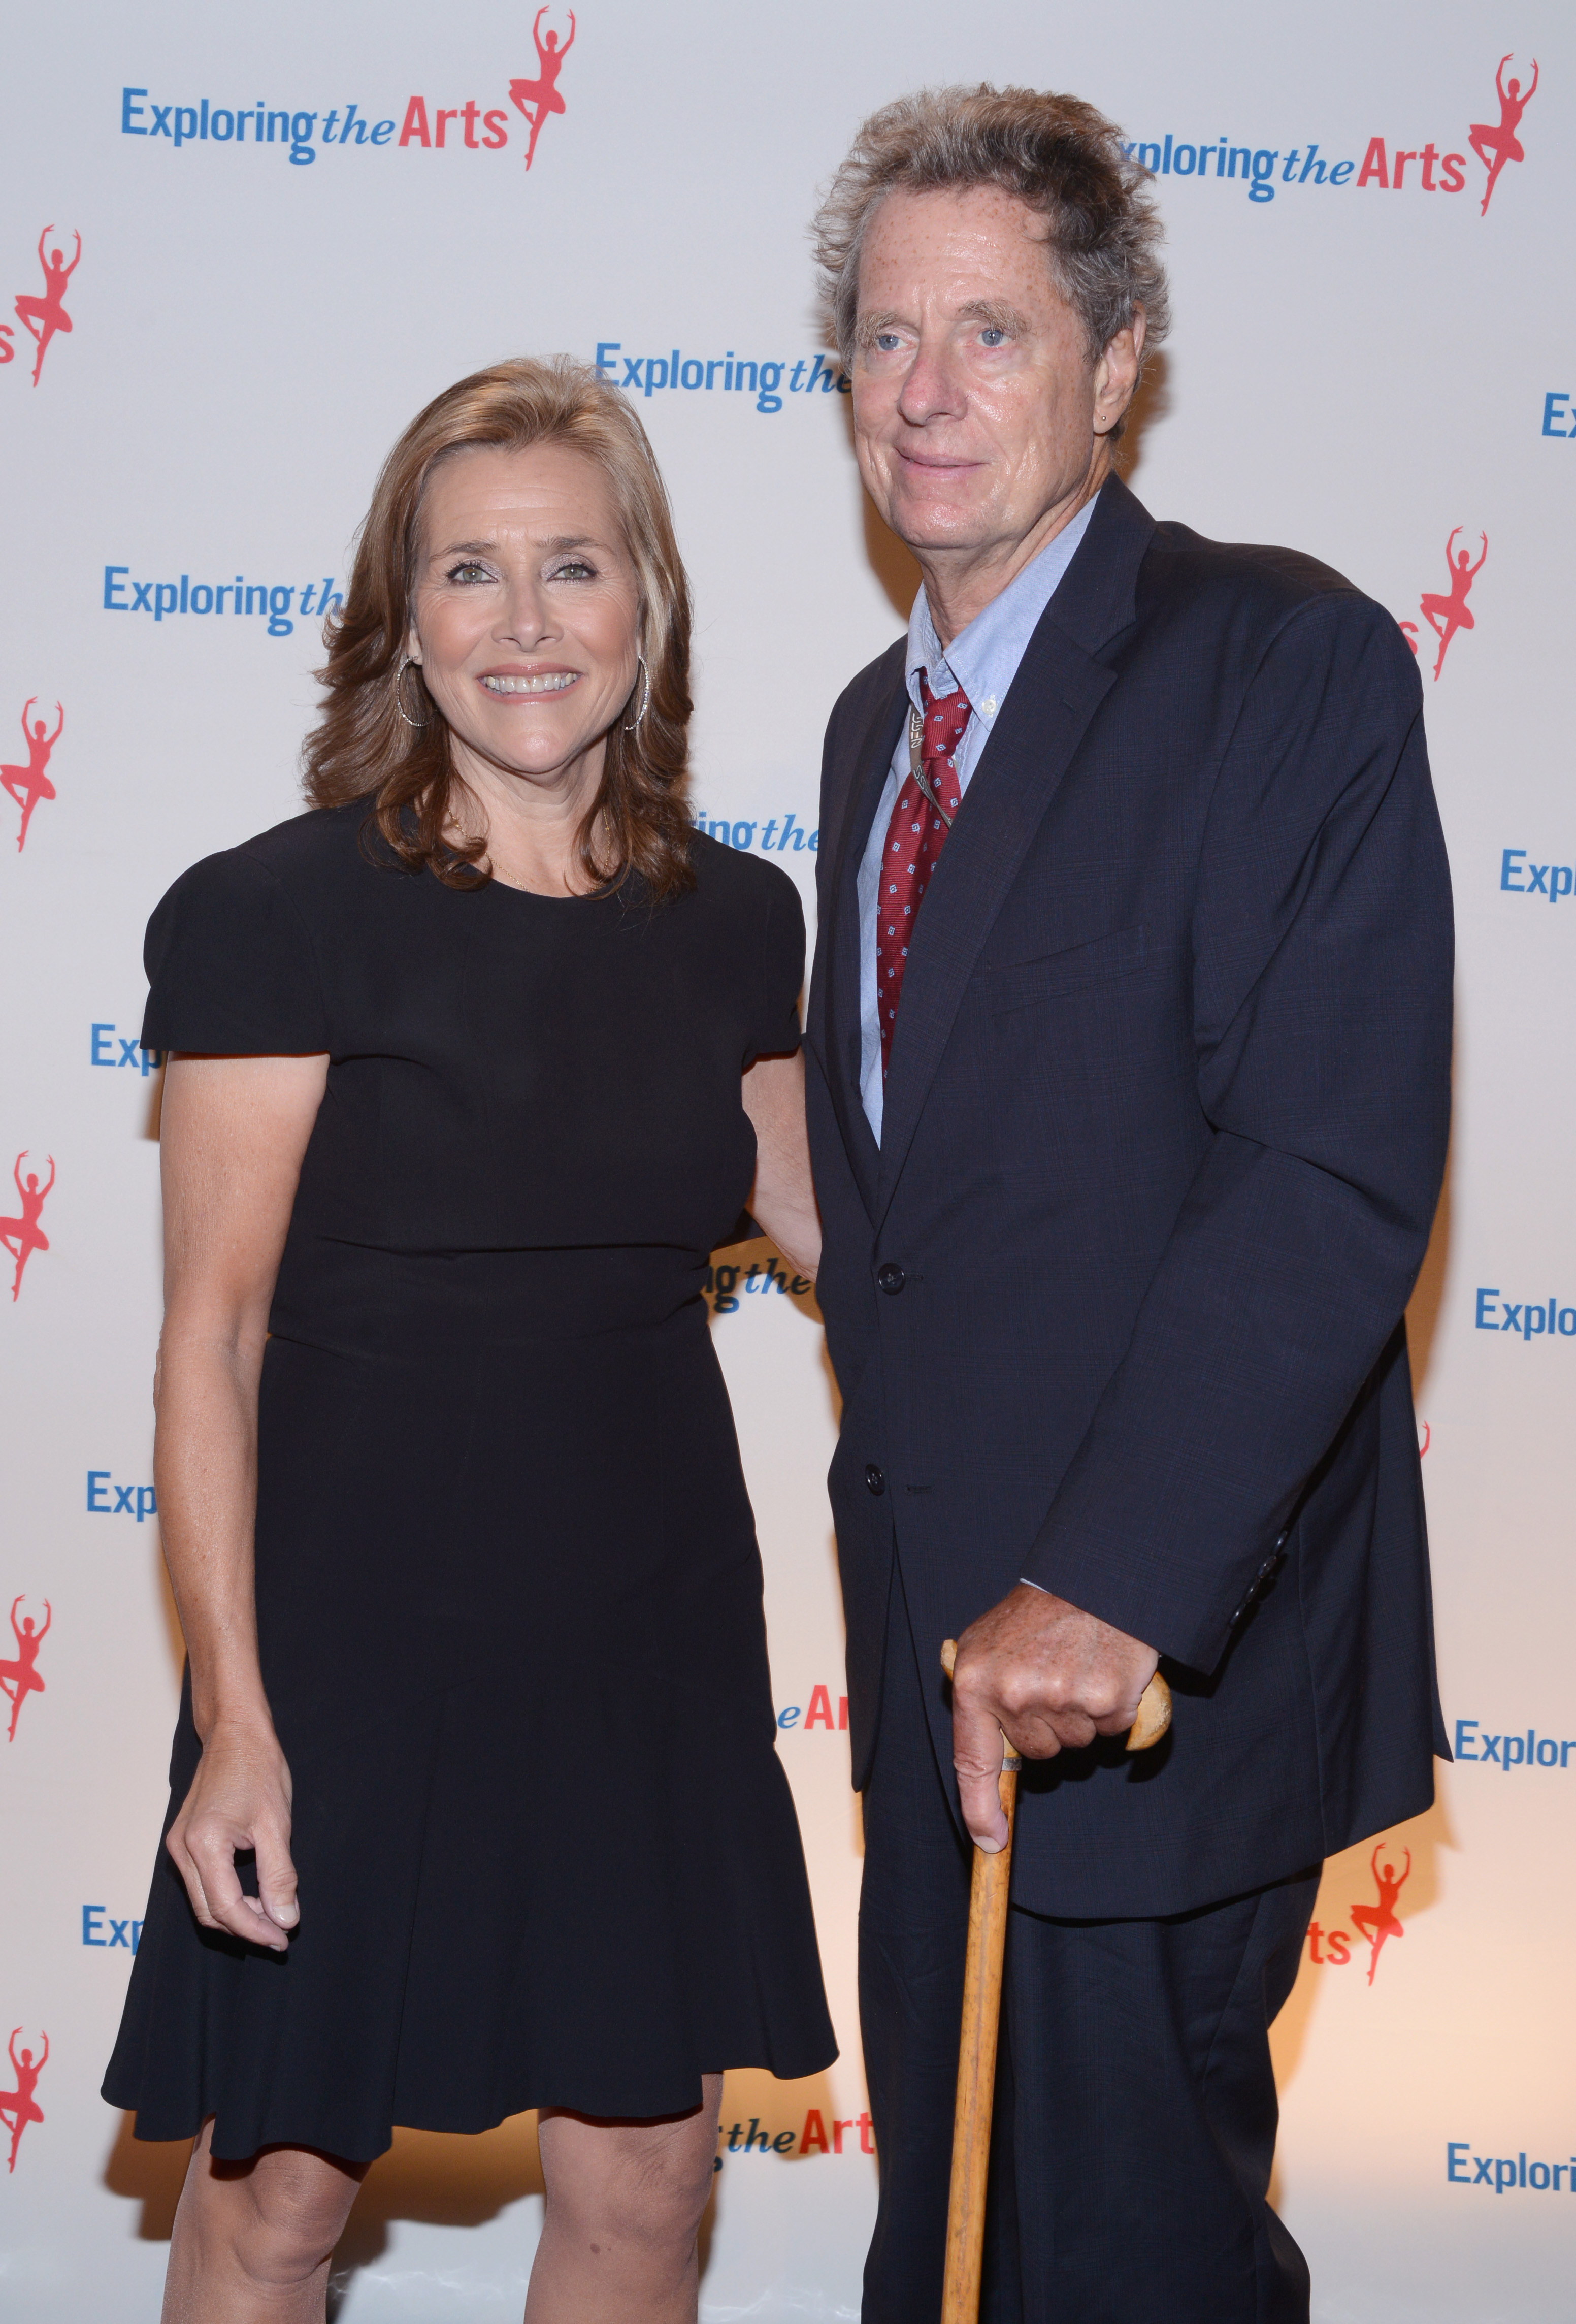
(254, 2240)
(624, 2202)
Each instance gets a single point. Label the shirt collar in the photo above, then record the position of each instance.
(983, 659)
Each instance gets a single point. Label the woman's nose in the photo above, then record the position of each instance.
(526, 616)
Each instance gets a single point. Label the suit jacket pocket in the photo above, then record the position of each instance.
(1024, 981)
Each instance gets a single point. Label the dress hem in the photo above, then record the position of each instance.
(349, 2153)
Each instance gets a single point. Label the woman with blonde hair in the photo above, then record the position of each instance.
(475, 1805)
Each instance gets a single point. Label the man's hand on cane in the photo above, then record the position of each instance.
(1048, 1676)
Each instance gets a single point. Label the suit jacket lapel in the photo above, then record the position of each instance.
(835, 1003)
(1058, 688)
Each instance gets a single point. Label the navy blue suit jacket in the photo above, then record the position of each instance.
(1165, 1130)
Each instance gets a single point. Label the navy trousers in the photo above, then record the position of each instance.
(1135, 2107)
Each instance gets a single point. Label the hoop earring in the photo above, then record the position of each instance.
(645, 694)
(399, 703)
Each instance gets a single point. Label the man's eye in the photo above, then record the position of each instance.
(886, 341)
(992, 335)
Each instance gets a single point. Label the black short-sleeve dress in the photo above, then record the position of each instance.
(509, 1595)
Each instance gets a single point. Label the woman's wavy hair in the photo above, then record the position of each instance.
(363, 748)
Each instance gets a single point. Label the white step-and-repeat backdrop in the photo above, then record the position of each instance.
(237, 250)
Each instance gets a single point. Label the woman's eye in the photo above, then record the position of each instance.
(470, 571)
(576, 571)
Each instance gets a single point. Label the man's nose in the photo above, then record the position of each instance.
(933, 390)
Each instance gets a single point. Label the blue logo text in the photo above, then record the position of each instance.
(780, 834)
(130, 1500)
(108, 1048)
(1530, 1317)
(192, 124)
(1499, 2173)
(1529, 1750)
(728, 373)
(273, 602)
(127, 1932)
(1520, 877)
(723, 1284)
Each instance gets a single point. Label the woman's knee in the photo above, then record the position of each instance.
(662, 2197)
(648, 2187)
(280, 2214)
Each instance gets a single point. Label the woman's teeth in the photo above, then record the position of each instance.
(552, 681)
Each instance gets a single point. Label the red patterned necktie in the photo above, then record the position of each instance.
(915, 838)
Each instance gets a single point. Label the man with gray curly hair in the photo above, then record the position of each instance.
(1129, 1050)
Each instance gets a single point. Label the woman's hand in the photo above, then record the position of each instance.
(240, 1798)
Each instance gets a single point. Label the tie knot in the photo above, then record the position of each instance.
(945, 717)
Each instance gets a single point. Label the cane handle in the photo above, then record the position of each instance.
(1153, 1714)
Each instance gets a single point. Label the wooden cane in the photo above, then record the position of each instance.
(971, 2134)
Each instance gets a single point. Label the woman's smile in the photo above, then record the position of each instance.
(515, 684)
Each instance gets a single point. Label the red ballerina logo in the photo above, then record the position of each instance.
(20, 2104)
(538, 98)
(43, 318)
(1496, 143)
(21, 1678)
(1378, 1920)
(30, 784)
(1446, 616)
(22, 1236)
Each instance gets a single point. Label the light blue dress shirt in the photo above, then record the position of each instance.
(983, 661)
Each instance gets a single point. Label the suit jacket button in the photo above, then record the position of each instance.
(875, 1479)
(891, 1277)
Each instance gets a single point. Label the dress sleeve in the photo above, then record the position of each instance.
(232, 967)
(775, 1026)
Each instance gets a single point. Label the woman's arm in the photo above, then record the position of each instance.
(233, 1132)
(783, 1200)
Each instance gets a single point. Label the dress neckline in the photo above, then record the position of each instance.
(536, 895)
